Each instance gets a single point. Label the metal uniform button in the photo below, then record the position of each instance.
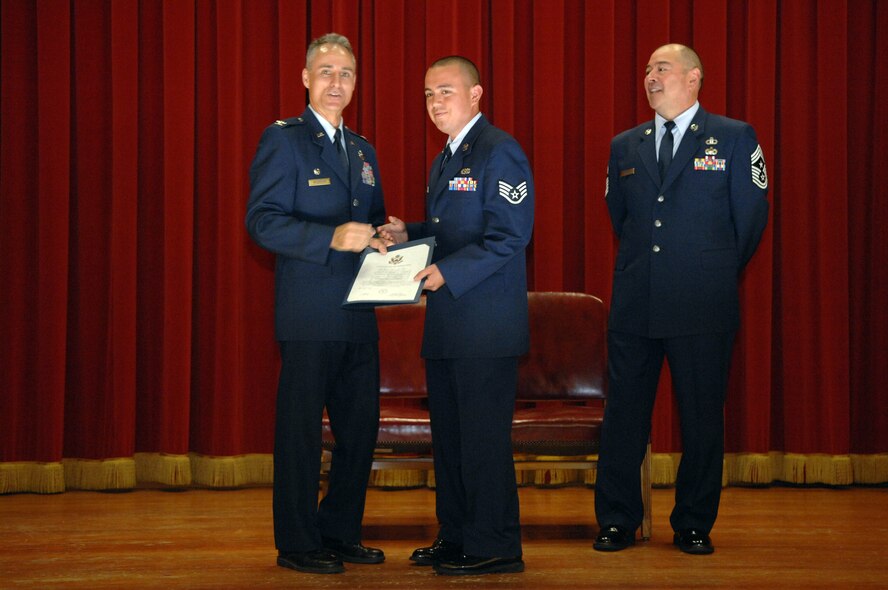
(661, 198)
(435, 220)
(355, 203)
(657, 223)
(656, 248)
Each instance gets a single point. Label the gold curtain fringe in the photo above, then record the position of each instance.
(664, 467)
(751, 468)
(553, 477)
(168, 470)
(870, 469)
(258, 469)
(232, 472)
(590, 475)
(33, 477)
(100, 474)
(833, 470)
(399, 478)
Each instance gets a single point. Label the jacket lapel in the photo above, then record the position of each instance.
(690, 142)
(355, 164)
(647, 152)
(438, 184)
(325, 145)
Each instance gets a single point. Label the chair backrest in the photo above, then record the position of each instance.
(567, 358)
(401, 369)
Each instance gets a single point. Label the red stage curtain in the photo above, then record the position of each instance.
(136, 335)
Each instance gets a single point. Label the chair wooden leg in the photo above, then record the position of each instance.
(646, 523)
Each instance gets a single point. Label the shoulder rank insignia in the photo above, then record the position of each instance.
(513, 194)
(281, 123)
(759, 172)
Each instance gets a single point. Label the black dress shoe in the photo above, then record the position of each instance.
(313, 562)
(693, 541)
(613, 538)
(469, 565)
(439, 550)
(353, 552)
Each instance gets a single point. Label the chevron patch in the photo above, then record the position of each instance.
(513, 194)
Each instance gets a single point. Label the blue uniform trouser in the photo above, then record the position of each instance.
(699, 366)
(471, 404)
(344, 378)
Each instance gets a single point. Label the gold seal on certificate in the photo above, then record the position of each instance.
(387, 279)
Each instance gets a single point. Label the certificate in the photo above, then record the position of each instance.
(387, 279)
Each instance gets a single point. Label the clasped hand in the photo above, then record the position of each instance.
(395, 232)
(354, 237)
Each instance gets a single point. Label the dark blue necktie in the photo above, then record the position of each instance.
(446, 158)
(664, 157)
(343, 157)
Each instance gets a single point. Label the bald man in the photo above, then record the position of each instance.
(686, 193)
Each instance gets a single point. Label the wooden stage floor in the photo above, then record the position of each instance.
(765, 538)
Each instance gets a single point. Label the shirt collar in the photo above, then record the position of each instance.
(682, 122)
(462, 134)
(330, 129)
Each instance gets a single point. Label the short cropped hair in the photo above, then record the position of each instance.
(690, 59)
(465, 64)
(331, 39)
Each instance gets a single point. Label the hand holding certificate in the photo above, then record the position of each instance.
(387, 279)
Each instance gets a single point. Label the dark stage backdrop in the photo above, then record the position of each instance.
(136, 319)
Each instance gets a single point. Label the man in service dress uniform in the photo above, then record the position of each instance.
(686, 194)
(315, 199)
(479, 208)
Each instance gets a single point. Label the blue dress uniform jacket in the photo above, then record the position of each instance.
(480, 211)
(479, 208)
(299, 194)
(683, 244)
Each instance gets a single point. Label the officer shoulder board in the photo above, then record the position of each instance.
(288, 122)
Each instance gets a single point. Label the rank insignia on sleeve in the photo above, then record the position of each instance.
(709, 163)
(463, 183)
(367, 174)
(759, 172)
(513, 194)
